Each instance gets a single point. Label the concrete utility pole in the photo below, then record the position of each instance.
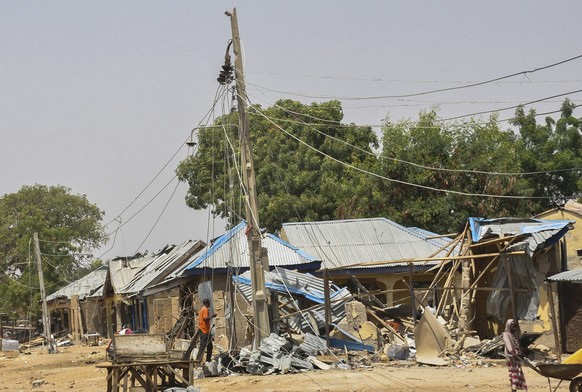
(259, 262)
(45, 314)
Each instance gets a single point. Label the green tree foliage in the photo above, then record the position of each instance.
(552, 148)
(68, 227)
(294, 181)
(430, 154)
(419, 161)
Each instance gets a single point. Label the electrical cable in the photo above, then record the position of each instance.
(381, 156)
(413, 81)
(511, 107)
(490, 120)
(216, 97)
(159, 217)
(405, 182)
(497, 79)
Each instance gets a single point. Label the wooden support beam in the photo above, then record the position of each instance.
(413, 260)
(557, 340)
(386, 325)
(327, 302)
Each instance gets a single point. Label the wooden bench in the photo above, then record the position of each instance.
(145, 359)
(139, 348)
(152, 375)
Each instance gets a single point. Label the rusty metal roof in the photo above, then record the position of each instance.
(84, 287)
(164, 263)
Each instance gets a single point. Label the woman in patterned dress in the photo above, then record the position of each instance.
(512, 353)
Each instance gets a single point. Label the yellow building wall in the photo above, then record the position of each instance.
(396, 285)
(573, 237)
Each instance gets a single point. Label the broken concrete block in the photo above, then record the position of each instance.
(342, 325)
(355, 313)
(471, 341)
(210, 369)
(369, 334)
(318, 364)
(397, 351)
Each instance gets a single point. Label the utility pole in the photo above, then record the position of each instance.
(45, 314)
(259, 262)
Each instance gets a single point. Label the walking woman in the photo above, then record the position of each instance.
(512, 353)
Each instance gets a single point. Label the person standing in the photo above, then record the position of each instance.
(204, 319)
(512, 353)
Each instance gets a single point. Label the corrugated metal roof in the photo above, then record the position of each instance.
(165, 262)
(84, 287)
(343, 243)
(574, 276)
(539, 233)
(231, 249)
(485, 228)
(123, 271)
(304, 285)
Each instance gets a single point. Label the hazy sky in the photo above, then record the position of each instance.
(99, 95)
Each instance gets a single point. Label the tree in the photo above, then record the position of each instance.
(553, 149)
(451, 158)
(298, 152)
(69, 228)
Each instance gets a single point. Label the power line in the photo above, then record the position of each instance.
(217, 95)
(405, 182)
(380, 156)
(220, 92)
(512, 107)
(524, 73)
(412, 81)
(144, 206)
(159, 217)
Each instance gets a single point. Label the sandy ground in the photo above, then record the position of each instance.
(74, 368)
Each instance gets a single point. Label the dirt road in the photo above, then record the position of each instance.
(73, 368)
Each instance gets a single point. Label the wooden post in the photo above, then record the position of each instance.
(259, 262)
(411, 287)
(233, 340)
(109, 319)
(557, 340)
(465, 311)
(45, 314)
(74, 318)
(464, 316)
(327, 299)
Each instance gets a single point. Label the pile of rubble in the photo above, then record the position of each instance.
(358, 324)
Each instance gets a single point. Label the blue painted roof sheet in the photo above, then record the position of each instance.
(231, 249)
(538, 233)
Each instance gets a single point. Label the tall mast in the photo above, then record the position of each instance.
(259, 262)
